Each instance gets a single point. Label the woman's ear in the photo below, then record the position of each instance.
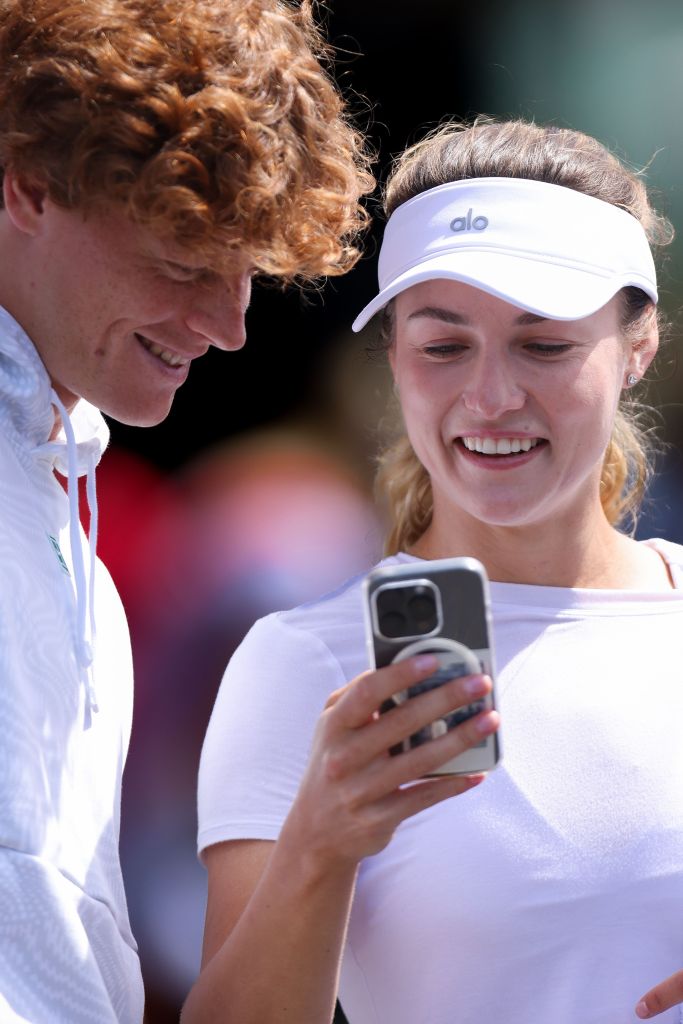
(23, 202)
(643, 351)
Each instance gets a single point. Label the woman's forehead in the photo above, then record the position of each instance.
(461, 304)
(457, 301)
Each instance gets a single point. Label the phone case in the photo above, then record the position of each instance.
(440, 607)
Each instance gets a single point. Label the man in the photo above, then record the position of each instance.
(155, 155)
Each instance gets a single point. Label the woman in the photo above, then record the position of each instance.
(517, 295)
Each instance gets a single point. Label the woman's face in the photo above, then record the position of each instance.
(510, 413)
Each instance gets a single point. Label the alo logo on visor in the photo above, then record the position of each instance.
(469, 223)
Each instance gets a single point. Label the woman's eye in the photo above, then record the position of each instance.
(446, 349)
(547, 348)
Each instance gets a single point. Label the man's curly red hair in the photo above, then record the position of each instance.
(211, 121)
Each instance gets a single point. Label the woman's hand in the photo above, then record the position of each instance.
(277, 913)
(354, 794)
(662, 997)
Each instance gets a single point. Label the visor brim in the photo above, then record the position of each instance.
(551, 290)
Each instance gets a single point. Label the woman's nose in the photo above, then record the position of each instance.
(493, 390)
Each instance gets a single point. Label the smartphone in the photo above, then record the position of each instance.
(439, 607)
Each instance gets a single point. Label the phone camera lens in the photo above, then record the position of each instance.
(392, 624)
(422, 609)
(391, 599)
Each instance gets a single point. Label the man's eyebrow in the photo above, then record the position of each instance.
(449, 316)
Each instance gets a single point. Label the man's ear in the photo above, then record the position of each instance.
(24, 202)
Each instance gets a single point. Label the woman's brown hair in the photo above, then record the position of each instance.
(560, 156)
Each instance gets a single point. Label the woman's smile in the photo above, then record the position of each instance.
(499, 453)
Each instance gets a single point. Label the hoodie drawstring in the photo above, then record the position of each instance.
(85, 598)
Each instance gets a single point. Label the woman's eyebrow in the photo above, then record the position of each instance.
(437, 313)
(530, 318)
(449, 316)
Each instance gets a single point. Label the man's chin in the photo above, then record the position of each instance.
(147, 417)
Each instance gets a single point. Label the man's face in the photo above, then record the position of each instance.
(117, 316)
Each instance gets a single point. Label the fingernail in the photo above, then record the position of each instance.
(475, 686)
(425, 662)
(486, 723)
(642, 1010)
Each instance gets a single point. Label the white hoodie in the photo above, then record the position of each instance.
(67, 955)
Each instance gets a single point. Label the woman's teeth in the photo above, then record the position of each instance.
(170, 358)
(500, 445)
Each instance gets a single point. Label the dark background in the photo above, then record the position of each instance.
(254, 494)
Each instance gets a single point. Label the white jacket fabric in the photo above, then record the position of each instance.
(67, 955)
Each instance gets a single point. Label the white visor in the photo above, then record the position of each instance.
(548, 249)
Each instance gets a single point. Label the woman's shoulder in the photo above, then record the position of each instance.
(336, 611)
(672, 554)
(329, 628)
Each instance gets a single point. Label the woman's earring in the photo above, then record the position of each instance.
(631, 380)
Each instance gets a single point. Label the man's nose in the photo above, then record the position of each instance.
(218, 310)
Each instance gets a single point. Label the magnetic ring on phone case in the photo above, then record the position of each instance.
(449, 654)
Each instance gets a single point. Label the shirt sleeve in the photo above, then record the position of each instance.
(259, 736)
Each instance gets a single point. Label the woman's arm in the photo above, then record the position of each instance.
(277, 912)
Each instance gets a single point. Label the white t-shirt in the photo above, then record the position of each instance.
(552, 893)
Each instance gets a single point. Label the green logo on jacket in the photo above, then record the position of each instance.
(57, 550)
